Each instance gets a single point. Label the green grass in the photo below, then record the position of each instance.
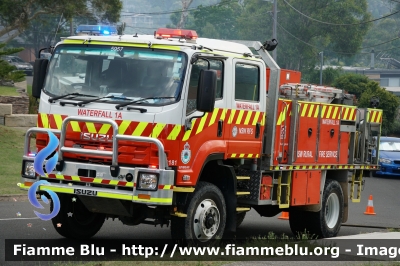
(8, 91)
(11, 147)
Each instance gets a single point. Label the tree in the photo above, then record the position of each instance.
(184, 14)
(301, 34)
(17, 15)
(8, 72)
(329, 75)
(353, 83)
(388, 103)
(217, 21)
(364, 89)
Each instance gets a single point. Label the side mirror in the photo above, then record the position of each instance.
(39, 74)
(206, 90)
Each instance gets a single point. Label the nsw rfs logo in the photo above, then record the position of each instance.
(186, 154)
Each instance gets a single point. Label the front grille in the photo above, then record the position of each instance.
(396, 161)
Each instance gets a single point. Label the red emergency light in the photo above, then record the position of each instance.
(175, 33)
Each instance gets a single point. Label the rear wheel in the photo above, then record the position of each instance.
(74, 220)
(327, 221)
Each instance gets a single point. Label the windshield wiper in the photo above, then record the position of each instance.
(118, 106)
(105, 97)
(52, 99)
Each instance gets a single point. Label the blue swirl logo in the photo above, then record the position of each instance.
(49, 166)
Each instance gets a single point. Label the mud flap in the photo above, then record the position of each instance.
(227, 184)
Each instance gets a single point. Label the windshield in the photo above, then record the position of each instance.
(127, 72)
(389, 146)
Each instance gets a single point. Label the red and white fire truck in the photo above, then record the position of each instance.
(189, 132)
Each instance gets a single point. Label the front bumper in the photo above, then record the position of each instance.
(105, 181)
(106, 186)
(389, 169)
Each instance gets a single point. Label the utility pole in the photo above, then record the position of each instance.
(274, 26)
(320, 70)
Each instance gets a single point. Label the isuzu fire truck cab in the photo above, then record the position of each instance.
(177, 130)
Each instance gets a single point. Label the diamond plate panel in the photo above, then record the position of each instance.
(252, 185)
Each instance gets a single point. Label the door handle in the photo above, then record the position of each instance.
(220, 126)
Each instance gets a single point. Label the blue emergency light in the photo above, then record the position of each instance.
(97, 30)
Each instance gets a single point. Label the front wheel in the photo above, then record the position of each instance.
(74, 220)
(206, 216)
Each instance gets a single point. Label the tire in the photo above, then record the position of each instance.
(239, 218)
(326, 222)
(206, 217)
(82, 224)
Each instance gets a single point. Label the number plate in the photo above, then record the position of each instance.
(85, 192)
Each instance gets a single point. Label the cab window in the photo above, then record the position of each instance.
(247, 82)
(194, 81)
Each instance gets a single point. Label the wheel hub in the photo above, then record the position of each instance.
(209, 221)
(332, 209)
(206, 220)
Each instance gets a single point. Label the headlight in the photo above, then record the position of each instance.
(383, 160)
(147, 181)
(28, 170)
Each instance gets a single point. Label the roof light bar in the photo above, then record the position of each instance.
(165, 33)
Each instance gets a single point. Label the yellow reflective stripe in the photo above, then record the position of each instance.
(113, 182)
(346, 111)
(58, 189)
(323, 111)
(373, 116)
(175, 132)
(202, 122)
(263, 120)
(256, 118)
(223, 114)
(379, 116)
(157, 130)
(162, 200)
(248, 116)
(75, 126)
(139, 129)
(241, 155)
(213, 117)
(167, 187)
(45, 120)
(335, 112)
(316, 112)
(125, 43)
(310, 111)
(240, 116)
(250, 155)
(233, 111)
(233, 155)
(104, 128)
(351, 114)
(97, 180)
(113, 195)
(75, 178)
(303, 113)
(187, 134)
(129, 184)
(58, 120)
(90, 127)
(329, 112)
(123, 127)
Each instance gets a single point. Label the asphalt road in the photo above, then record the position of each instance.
(385, 200)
